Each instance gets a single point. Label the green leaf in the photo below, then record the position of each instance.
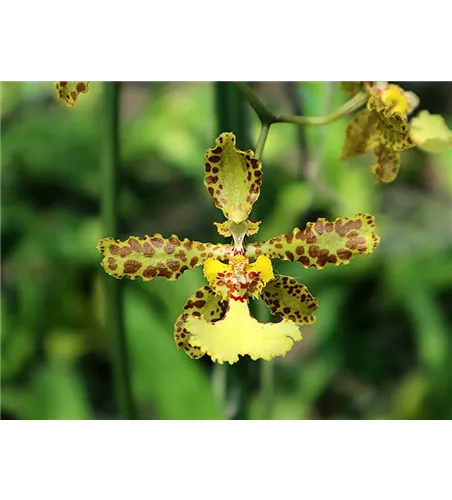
(177, 386)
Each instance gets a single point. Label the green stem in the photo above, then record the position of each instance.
(262, 112)
(268, 389)
(114, 288)
(219, 385)
(354, 103)
(265, 129)
(267, 117)
(267, 384)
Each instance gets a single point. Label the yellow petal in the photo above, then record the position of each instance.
(238, 278)
(239, 334)
(203, 302)
(218, 274)
(430, 132)
(394, 98)
(259, 273)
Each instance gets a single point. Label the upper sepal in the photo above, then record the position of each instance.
(232, 177)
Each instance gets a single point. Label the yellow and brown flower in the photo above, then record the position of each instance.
(216, 319)
(382, 127)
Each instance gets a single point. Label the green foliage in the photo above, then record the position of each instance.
(381, 346)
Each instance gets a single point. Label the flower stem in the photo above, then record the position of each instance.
(267, 117)
(265, 129)
(354, 103)
(266, 375)
(114, 288)
(261, 111)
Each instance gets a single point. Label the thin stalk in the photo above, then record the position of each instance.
(263, 134)
(262, 112)
(267, 117)
(114, 288)
(266, 376)
(354, 103)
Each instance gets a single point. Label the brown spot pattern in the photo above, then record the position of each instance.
(205, 303)
(290, 300)
(230, 170)
(322, 242)
(151, 256)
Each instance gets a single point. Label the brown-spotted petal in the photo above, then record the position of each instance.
(69, 91)
(361, 134)
(393, 128)
(232, 177)
(154, 256)
(289, 299)
(388, 163)
(321, 242)
(204, 303)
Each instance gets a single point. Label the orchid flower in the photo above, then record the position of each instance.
(382, 127)
(216, 319)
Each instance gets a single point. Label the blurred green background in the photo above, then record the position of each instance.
(381, 346)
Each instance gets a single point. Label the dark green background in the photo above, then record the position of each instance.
(381, 346)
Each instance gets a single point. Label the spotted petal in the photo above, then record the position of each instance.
(232, 177)
(239, 334)
(203, 303)
(388, 163)
(321, 242)
(290, 300)
(69, 91)
(393, 128)
(431, 133)
(154, 256)
(361, 133)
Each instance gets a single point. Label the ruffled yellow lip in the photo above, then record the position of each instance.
(239, 334)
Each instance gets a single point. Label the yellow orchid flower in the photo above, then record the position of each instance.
(216, 320)
(382, 127)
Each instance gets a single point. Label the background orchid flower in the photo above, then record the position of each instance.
(216, 320)
(382, 127)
